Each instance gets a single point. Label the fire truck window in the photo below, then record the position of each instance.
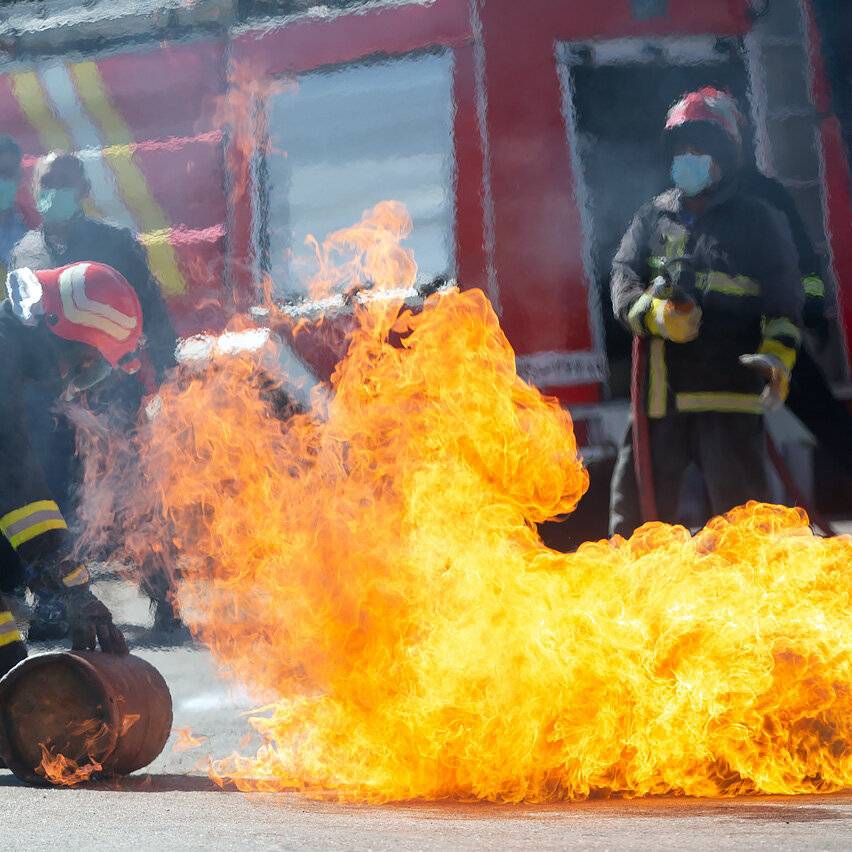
(344, 139)
(619, 157)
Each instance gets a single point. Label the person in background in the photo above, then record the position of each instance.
(811, 398)
(12, 226)
(723, 336)
(68, 235)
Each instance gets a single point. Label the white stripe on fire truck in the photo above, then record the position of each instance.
(59, 87)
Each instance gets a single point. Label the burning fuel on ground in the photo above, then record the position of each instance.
(371, 570)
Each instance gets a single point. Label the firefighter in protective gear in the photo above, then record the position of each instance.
(811, 398)
(65, 329)
(721, 352)
(67, 235)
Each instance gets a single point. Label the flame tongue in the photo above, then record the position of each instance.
(372, 570)
(88, 740)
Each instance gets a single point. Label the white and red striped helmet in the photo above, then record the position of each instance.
(86, 302)
(709, 105)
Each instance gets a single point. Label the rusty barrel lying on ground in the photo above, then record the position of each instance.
(89, 706)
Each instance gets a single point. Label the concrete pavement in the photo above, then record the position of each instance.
(172, 805)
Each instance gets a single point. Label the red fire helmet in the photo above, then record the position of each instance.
(89, 303)
(708, 105)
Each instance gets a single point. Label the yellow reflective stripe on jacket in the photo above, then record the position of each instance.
(781, 327)
(814, 286)
(785, 354)
(731, 403)
(729, 285)
(78, 577)
(34, 519)
(9, 629)
(658, 379)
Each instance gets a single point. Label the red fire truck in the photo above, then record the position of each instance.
(521, 137)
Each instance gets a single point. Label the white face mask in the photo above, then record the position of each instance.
(692, 173)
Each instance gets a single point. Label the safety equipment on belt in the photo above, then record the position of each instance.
(777, 379)
(678, 321)
(692, 173)
(90, 623)
(58, 205)
(86, 303)
(711, 106)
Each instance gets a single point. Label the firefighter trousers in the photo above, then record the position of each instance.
(729, 450)
(813, 402)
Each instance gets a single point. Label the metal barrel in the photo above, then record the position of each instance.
(89, 707)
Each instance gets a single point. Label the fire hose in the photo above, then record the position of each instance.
(640, 436)
(643, 468)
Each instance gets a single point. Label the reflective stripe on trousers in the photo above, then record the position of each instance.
(731, 403)
(21, 525)
(9, 629)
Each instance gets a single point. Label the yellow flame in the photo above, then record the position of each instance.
(372, 569)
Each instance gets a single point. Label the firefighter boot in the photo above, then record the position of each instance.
(166, 620)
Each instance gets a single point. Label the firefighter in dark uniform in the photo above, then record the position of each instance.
(811, 398)
(64, 330)
(722, 336)
(67, 235)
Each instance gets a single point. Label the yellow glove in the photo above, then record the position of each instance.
(675, 321)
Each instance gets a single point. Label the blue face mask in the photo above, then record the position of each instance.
(57, 205)
(8, 191)
(692, 173)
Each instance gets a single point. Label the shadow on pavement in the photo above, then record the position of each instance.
(143, 783)
(787, 809)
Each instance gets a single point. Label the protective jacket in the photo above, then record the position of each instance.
(29, 516)
(90, 240)
(776, 195)
(741, 268)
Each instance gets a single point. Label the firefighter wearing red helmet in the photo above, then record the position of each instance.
(65, 329)
(707, 278)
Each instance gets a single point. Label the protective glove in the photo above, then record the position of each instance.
(777, 376)
(676, 321)
(89, 620)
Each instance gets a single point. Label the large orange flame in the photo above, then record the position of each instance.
(373, 571)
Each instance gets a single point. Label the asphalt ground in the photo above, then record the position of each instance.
(173, 805)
